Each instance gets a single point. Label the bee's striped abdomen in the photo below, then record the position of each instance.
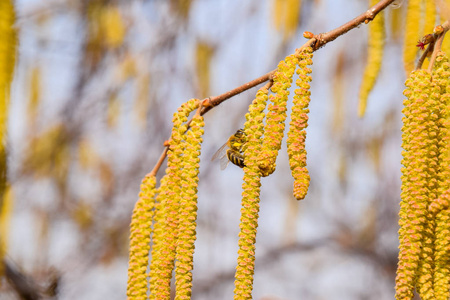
(236, 158)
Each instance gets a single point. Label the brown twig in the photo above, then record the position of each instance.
(324, 38)
(443, 28)
(161, 159)
(425, 54)
(434, 42)
(24, 285)
(317, 42)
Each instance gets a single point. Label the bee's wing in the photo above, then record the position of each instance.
(221, 152)
(224, 161)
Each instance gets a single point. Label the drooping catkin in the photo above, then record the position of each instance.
(297, 129)
(188, 210)
(375, 58)
(429, 16)
(140, 231)
(286, 15)
(412, 34)
(276, 116)
(419, 160)
(253, 128)
(168, 203)
(8, 44)
(424, 284)
(441, 273)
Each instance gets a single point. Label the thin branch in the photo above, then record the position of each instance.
(434, 42)
(369, 15)
(161, 159)
(317, 42)
(425, 54)
(24, 286)
(443, 28)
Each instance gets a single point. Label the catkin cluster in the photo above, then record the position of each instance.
(260, 152)
(173, 208)
(424, 216)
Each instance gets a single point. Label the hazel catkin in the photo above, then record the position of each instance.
(188, 209)
(140, 230)
(168, 205)
(276, 115)
(253, 129)
(299, 121)
(417, 144)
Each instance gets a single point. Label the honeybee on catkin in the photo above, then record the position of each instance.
(232, 150)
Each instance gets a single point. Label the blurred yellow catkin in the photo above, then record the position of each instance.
(35, 92)
(113, 111)
(286, 15)
(375, 57)
(444, 14)
(8, 42)
(112, 26)
(203, 56)
(412, 34)
(5, 216)
(429, 17)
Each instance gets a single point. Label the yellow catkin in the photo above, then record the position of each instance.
(8, 44)
(417, 163)
(35, 92)
(278, 10)
(276, 115)
(396, 23)
(204, 53)
(375, 57)
(430, 16)
(112, 26)
(424, 284)
(412, 34)
(188, 210)
(140, 231)
(444, 13)
(113, 111)
(299, 121)
(158, 235)
(253, 128)
(292, 17)
(167, 218)
(442, 220)
(286, 14)
(5, 228)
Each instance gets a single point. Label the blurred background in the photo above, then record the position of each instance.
(95, 87)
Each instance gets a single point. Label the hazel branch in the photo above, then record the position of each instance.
(440, 31)
(434, 42)
(316, 42)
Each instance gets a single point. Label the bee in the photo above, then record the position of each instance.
(232, 150)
